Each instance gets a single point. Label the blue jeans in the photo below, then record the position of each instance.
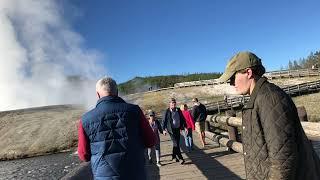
(188, 138)
(157, 150)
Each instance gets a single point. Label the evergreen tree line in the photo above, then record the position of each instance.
(142, 84)
(313, 60)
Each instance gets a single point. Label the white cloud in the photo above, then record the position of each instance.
(38, 50)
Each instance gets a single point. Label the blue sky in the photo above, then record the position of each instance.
(161, 37)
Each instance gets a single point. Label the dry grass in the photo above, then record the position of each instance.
(38, 131)
(312, 104)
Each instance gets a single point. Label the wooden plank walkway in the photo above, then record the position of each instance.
(211, 162)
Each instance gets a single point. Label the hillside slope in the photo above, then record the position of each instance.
(37, 131)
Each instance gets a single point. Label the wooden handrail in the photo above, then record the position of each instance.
(236, 146)
(312, 129)
(230, 121)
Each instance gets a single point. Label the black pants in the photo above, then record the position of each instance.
(175, 138)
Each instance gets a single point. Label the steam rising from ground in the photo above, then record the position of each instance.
(38, 53)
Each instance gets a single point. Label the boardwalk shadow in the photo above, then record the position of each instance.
(153, 171)
(206, 162)
(200, 163)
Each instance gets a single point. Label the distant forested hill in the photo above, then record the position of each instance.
(141, 84)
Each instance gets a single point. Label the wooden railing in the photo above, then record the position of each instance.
(292, 73)
(223, 105)
(239, 101)
(303, 87)
(310, 128)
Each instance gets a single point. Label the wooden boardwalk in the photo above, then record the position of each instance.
(211, 162)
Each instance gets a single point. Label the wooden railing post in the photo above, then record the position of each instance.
(311, 129)
(231, 104)
(232, 131)
(207, 126)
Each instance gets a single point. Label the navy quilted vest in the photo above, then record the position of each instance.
(117, 150)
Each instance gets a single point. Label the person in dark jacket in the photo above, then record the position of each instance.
(173, 122)
(199, 114)
(274, 143)
(113, 136)
(156, 127)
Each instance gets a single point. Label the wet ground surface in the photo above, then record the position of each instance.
(42, 167)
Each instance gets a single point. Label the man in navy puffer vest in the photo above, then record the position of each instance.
(113, 136)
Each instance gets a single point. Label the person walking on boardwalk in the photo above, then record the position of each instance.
(189, 126)
(113, 136)
(156, 127)
(173, 122)
(274, 143)
(199, 114)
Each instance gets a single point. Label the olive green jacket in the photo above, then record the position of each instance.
(274, 143)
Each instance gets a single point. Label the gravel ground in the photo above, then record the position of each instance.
(42, 167)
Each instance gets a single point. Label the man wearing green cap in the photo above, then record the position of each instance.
(274, 143)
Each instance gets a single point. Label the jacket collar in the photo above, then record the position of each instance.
(110, 99)
(255, 91)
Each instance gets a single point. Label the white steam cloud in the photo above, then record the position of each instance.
(42, 58)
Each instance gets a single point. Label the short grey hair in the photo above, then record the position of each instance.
(108, 85)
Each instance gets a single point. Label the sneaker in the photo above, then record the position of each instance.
(159, 164)
(182, 162)
(177, 160)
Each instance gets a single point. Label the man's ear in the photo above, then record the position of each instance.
(98, 95)
(250, 73)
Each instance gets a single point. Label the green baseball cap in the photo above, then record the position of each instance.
(238, 62)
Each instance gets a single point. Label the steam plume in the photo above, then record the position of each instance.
(42, 60)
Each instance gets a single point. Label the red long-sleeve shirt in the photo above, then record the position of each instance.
(189, 119)
(84, 153)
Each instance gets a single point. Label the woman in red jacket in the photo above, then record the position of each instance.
(189, 128)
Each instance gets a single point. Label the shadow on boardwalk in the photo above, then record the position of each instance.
(206, 161)
(212, 162)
